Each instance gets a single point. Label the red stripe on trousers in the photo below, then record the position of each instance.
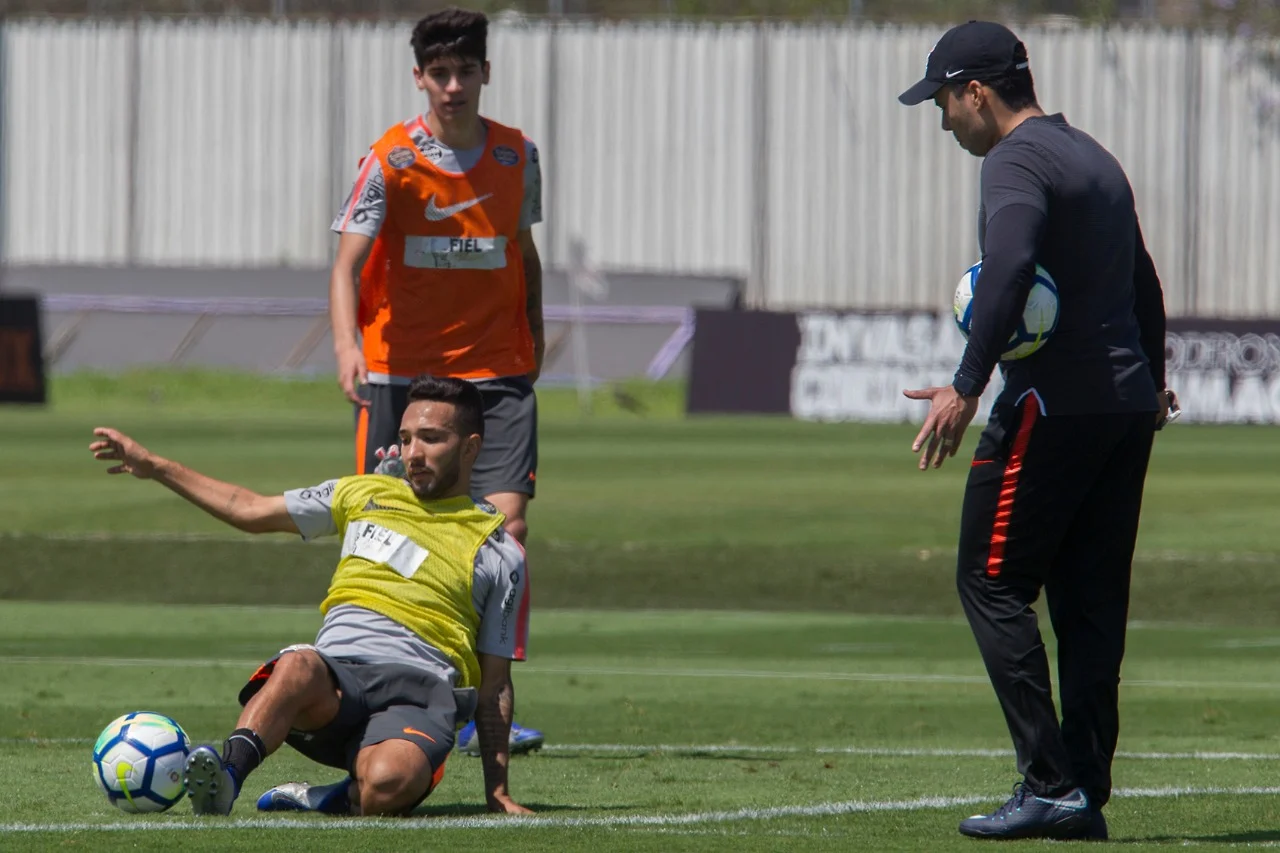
(362, 439)
(1009, 487)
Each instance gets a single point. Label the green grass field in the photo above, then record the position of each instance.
(745, 632)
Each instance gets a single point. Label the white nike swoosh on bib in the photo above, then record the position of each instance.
(435, 214)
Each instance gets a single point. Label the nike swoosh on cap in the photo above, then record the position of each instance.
(435, 214)
(950, 74)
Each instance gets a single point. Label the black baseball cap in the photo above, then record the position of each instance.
(979, 50)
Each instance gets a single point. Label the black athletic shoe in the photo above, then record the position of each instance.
(1027, 816)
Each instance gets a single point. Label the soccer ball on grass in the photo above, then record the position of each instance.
(138, 762)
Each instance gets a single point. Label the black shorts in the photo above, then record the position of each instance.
(508, 460)
(380, 701)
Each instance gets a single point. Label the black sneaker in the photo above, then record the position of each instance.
(1027, 816)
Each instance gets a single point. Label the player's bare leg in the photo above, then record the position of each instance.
(514, 505)
(300, 694)
(391, 778)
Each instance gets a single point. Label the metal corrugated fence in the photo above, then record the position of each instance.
(773, 151)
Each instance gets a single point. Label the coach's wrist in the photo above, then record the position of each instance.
(967, 386)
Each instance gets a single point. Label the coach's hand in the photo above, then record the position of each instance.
(1168, 405)
(944, 426)
(503, 804)
(352, 373)
(117, 447)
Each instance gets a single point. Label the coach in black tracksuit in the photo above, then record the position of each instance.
(1053, 495)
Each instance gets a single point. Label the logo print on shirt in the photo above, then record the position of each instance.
(373, 505)
(506, 156)
(400, 157)
(435, 214)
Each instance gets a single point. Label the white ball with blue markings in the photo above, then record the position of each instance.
(1039, 316)
(138, 762)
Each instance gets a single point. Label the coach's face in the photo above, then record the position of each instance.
(436, 458)
(967, 116)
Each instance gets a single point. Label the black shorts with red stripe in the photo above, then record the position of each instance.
(1052, 504)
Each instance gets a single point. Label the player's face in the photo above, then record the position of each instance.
(964, 118)
(437, 460)
(452, 85)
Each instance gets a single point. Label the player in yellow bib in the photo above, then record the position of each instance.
(427, 608)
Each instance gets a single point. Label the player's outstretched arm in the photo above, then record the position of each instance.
(235, 505)
(494, 712)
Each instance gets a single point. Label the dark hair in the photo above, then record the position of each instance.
(453, 32)
(1017, 90)
(468, 417)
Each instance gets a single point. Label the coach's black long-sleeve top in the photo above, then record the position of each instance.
(1052, 195)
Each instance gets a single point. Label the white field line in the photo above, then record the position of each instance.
(772, 675)
(615, 821)
(695, 750)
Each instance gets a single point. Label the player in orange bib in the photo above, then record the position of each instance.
(437, 233)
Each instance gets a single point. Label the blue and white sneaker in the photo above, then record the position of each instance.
(1027, 816)
(305, 797)
(521, 740)
(211, 785)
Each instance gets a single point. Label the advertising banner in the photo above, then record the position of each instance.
(854, 365)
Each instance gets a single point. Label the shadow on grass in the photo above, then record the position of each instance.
(758, 756)
(478, 810)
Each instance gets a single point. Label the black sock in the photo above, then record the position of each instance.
(242, 752)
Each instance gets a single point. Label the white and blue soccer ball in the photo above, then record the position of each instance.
(138, 761)
(1039, 316)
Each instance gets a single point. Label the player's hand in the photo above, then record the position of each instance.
(503, 804)
(389, 461)
(949, 416)
(115, 446)
(352, 373)
(539, 353)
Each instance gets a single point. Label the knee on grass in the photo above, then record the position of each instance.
(386, 787)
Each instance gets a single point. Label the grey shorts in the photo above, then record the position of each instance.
(508, 460)
(379, 702)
